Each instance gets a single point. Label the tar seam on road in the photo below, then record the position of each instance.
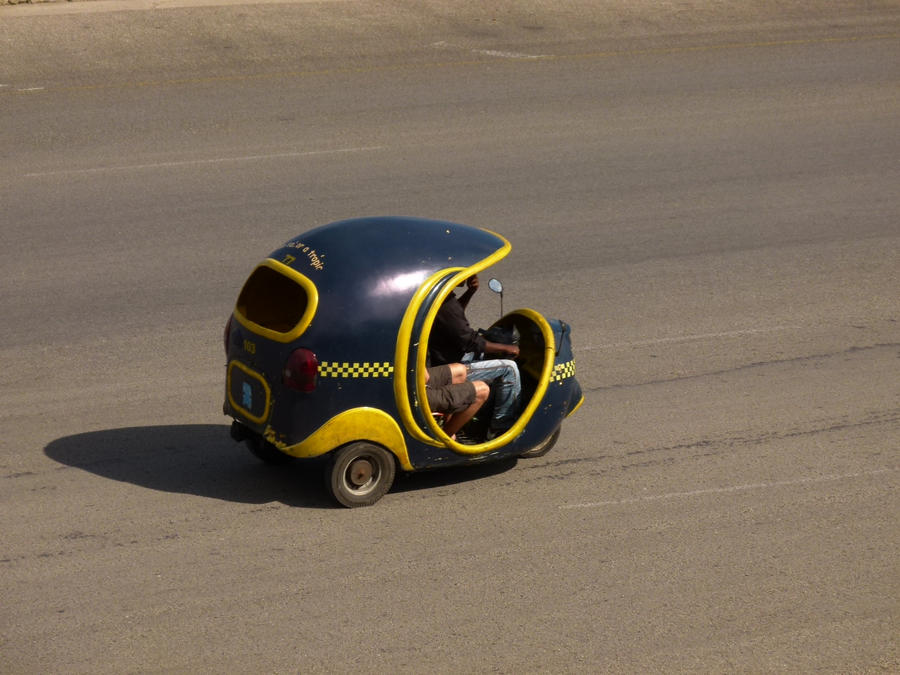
(195, 162)
(727, 490)
(684, 338)
(488, 56)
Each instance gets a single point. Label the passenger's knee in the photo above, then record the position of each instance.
(457, 372)
(482, 391)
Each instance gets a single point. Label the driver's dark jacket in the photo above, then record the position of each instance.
(452, 336)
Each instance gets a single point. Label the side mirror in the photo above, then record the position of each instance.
(497, 287)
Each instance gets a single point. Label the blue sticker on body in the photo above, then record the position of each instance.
(247, 396)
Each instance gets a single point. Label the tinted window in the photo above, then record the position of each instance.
(272, 300)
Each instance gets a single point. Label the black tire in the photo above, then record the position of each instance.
(267, 452)
(543, 448)
(361, 474)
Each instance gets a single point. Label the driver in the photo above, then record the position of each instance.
(453, 340)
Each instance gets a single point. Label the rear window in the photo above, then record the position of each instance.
(276, 302)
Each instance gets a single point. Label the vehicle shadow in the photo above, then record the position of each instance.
(197, 459)
(203, 460)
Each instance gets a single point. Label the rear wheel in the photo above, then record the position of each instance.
(361, 474)
(544, 447)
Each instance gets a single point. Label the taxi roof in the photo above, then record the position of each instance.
(366, 271)
(376, 249)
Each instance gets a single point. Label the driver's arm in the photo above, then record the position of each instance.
(471, 289)
(500, 349)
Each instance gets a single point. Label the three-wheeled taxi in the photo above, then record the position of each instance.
(327, 351)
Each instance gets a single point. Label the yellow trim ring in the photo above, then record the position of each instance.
(405, 340)
(258, 419)
(312, 303)
(533, 404)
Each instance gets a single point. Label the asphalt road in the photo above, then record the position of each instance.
(711, 201)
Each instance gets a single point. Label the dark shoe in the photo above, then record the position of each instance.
(494, 433)
(465, 439)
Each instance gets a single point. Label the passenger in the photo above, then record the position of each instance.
(454, 340)
(449, 392)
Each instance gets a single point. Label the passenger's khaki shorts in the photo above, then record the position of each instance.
(445, 397)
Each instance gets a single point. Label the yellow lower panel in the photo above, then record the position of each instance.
(358, 424)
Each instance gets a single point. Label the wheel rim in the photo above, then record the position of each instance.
(361, 475)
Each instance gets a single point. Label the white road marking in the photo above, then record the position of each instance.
(727, 490)
(507, 55)
(683, 338)
(489, 52)
(199, 162)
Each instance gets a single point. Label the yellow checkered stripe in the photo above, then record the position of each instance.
(563, 371)
(347, 369)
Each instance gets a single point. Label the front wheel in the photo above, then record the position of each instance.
(544, 447)
(361, 474)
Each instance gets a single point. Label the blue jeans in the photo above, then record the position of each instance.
(502, 376)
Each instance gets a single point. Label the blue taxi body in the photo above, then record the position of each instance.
(327, 348)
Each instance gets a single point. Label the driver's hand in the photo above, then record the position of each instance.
(472, 283)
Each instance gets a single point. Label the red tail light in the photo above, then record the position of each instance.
(228, 332)
(301, 370)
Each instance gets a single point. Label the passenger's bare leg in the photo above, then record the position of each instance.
(456, 421)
